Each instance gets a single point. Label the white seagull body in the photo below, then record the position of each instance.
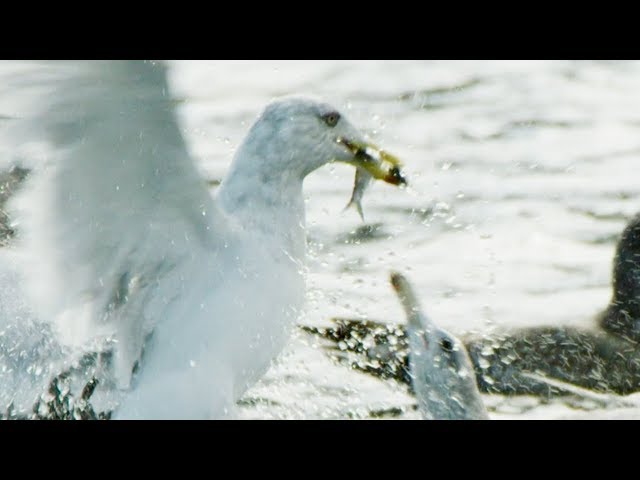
(122, 241)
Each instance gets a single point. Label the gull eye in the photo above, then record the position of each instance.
(446, 345)
(331, 118)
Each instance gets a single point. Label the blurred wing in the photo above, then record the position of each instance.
(116, 201)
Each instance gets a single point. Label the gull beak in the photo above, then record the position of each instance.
(408, 299)
(380, 164)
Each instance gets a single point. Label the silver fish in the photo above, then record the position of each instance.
(377, 158)
(361, 183)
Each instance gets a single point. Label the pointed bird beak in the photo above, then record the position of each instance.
(408, 299)
(380, 164)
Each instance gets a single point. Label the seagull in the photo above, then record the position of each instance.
(123, 245)
(442, 375)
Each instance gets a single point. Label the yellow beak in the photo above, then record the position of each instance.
(380, 164)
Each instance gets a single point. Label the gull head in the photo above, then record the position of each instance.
(296, 135)
(441, 370)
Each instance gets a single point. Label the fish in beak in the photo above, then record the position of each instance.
(371, 162)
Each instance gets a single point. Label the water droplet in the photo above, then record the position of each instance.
(483, 363)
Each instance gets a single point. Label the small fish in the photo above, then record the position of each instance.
(363, 177)
(361, 183)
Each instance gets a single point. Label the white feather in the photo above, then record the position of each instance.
(117, 202)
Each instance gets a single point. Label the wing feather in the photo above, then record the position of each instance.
(115, 201)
